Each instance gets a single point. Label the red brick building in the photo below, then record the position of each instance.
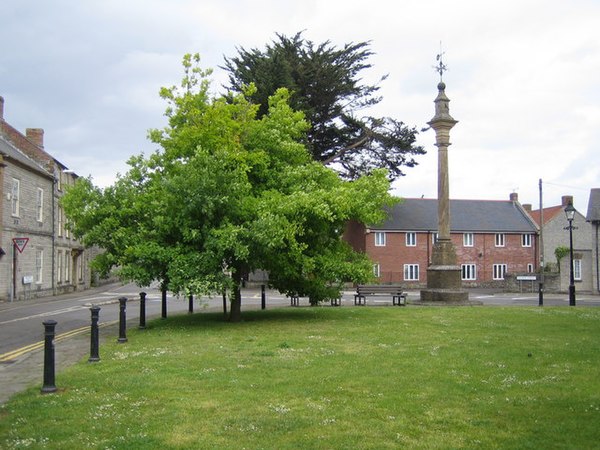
(492, 239)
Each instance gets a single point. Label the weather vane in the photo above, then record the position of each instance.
(440, 67)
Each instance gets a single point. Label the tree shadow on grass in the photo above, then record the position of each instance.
(216, 320)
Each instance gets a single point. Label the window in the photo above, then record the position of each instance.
(499, 271)
(40, 205)
(469, 271)
(59, 266)
(379, 239)
(499, 242)
(468, 240)
(376, 270)
(80, 267)
(60, 221)
(15, 195)
(39, 265)
(411, 239)
(411, 272)
(67, 267)
(525, 240)
(529, 268)
(434, 238)
(577, 269)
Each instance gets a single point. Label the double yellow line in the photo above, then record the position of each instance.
(9, 356)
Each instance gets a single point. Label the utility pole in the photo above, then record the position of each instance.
(541, 250)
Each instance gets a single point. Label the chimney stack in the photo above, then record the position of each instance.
(35, 135)
(514, 197)
(1, 108)
(566, 199)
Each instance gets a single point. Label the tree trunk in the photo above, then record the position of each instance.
(235, 314)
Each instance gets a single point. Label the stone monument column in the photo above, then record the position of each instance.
(444, 282)
(442, 123)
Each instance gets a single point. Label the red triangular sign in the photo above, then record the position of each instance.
(20, 243)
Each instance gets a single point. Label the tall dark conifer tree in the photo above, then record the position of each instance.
(325, 84)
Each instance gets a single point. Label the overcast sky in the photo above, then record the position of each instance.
(523, 79)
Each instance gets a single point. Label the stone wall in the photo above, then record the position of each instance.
(517, 283)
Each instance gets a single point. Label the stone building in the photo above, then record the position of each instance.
(593, 217)
(556, 235)
(39, 254)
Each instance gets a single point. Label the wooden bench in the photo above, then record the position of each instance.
(295, 301)
(395, 290)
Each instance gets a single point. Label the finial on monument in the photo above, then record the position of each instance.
(440, 67)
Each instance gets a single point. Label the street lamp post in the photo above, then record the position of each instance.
(570, 213)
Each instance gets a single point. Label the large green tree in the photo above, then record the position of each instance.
(229, 193)
(325, 83)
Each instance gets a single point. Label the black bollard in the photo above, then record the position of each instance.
(191, 303)
(142, 310)
(163, 314)
(49, 384)
(94, 346)
(224, 301)
(122, 319)
(263, 299)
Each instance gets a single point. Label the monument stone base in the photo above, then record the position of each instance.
(444, 281)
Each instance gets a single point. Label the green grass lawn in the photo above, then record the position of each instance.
(330, 378)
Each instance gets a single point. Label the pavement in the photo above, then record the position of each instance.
(26, 370)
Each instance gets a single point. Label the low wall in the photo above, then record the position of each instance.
(523, 283)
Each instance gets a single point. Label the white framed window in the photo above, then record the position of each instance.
(499, 270)
(379, 239)
(411, 239)
(67, 266)
(411, 272)
(59, 266)
(526, 240)
(469, 272)
(80, 264)
(15, 196)
(40, 205)
(61, 225)
(377, 270)
(468, 239)
(500, 240)
(577, 269)
(529, 268)
(39, 265)
(434, 238)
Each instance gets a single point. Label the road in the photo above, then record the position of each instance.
(491, 298)
(21, 322)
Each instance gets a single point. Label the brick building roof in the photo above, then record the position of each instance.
(8, 150)
(31, 143)
(492, 216)
(549, 214)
